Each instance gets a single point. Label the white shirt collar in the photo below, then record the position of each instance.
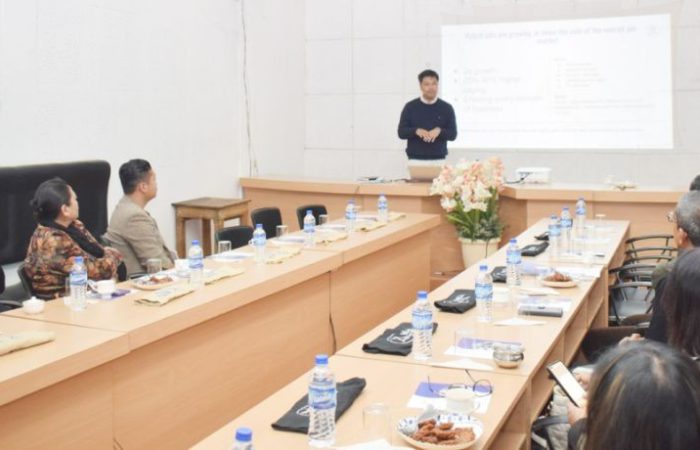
(428, 102)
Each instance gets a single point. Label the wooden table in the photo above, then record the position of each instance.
(506, 421)
(521, 206)
(381, 272)
(207, 209)
(212, 354)
(58, 394)
(557, 339)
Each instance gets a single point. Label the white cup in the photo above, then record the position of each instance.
(105, 288)
(461, 399)
(33, 306)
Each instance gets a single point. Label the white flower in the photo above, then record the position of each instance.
(448, 203)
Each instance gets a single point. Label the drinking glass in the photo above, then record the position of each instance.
(462, 335)
(281, 230)
(322, 219)
(153, 266)
(376, 422)
(224, 246)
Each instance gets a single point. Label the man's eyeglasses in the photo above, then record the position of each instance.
(481, 387)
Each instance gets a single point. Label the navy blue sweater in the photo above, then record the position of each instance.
(417, 114)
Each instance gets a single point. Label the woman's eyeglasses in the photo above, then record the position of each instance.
(481, 387)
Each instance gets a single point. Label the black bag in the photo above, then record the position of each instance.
(534, 249)
(459, 302)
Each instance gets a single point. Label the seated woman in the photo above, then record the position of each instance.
(681, 301)
(643, 395)
(59, 238)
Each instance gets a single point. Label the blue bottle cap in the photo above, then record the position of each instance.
(422, 294)
(308, 211)
(322, 359)
(553, 217)
(513, 241)
(566, 208)
(483, 267)
(258, 226)
(195, 242)
(79, 259)
(244, 434)
(580, 198)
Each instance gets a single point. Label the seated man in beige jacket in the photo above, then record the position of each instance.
(132, 230)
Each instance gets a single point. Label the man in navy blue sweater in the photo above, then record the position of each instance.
(427, 122)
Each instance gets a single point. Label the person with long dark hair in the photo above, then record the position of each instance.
(681, 300)
(643, 396)
(60, 237)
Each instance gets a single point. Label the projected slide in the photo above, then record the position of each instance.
(595, 83)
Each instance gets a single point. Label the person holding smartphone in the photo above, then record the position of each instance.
(642, 395)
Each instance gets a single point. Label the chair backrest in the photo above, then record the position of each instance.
(269, 218)
(89, 180)
(316, 210)
(239, 235)
(26, 282)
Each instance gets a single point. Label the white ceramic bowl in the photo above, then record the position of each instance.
(33, 306)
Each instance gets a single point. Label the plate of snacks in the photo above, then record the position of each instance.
(153, 282)
(558, 280)
(445, 431)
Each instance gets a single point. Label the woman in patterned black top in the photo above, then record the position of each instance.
(59, 238)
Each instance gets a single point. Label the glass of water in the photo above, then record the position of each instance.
(224, 246)
(154, 265)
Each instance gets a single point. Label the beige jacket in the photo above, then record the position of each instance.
(135, 234)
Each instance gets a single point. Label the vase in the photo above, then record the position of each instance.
(478, 250)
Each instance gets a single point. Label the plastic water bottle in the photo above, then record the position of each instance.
(566, 225)
(581, 218)
(195, 260)
(259, 242)
(244, 439)
(322, 403)
(484, 294)
(77, 281)
(554, 237)
(513, 263)
(309, 229)
(350, 216)
(422, 324)
(383, 208)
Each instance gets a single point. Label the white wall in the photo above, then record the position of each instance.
(275, 69)
(362, 58)
(116, 79)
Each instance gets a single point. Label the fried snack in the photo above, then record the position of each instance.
(431, 432)
(158, 280)
(557, 277)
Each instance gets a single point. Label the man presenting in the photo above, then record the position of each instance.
(427, 122)
(132, 230)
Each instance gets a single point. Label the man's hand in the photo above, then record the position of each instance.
(433, 134)
(423, 134)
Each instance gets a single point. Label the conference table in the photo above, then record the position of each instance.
(528, 387)
(192, 365)
(520, 206)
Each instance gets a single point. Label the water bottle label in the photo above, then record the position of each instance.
(513, 257)
(322, 397)
(581, 211)
(196, 263)
(422, 320)
(566, 223)
(483, 291)
(78, 278)
(308, 228)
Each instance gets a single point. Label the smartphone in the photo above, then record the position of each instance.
(567, 381)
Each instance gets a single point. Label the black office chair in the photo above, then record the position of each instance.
(6, 305)
(628, 300)
(239, 235)
(26, 282)
(316, 210)
(269, 218)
